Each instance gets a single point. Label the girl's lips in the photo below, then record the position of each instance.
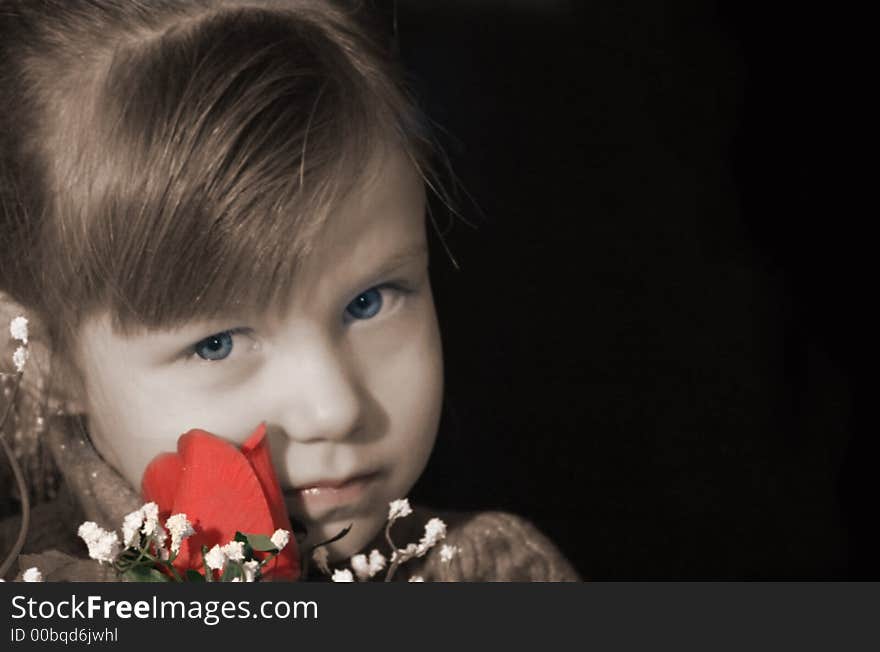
(318, 499)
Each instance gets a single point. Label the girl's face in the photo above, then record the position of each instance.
(349, 381)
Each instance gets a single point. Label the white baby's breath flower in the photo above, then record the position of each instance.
(342, 575)
(18, 328)
(366, 567)
(250, 569)
(361, 567)
(105, 549)
(146, 520)
(32, 574)
(19, 358)
(280, 538)
(235, 579)
(377, 562)
(151, 518)
(398, 509)
(103, 545)
(320, 557)
(180, 529)
(215, 558)
(435, 531)
(405, 554)
(416, 578)
(447, 552)
(131, 526)
(234, 551)
(89, 531)
(159, 536)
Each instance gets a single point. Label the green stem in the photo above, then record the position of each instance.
(395, 565)
(388, 534)
(209, 574)
(143, 553)
(173, 570)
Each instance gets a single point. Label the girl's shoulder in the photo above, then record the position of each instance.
(51, 544)
(486, 546)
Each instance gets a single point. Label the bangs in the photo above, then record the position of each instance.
(218, 150)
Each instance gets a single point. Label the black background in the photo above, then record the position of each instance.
(653, 341)
(656, 343)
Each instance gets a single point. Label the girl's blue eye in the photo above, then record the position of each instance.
(215, 347)
(366, 305)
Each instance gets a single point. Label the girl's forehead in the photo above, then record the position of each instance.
(381, 220)
(386, 203)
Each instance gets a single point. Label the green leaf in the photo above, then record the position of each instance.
(232, 570)
(145, 574)
(261, 542)
(158, 576)
(194, 576)
(247, 548)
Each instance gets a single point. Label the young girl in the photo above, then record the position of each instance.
(214, 216)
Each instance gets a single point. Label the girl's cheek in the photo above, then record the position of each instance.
(411, 376)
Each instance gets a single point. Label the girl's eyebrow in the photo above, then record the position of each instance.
(402, 257)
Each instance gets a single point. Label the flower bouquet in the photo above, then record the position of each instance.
(218, 504)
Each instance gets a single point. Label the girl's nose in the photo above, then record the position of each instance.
(315, 390)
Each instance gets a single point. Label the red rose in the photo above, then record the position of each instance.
(221, 489)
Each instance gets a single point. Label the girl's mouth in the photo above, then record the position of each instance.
(317, 500)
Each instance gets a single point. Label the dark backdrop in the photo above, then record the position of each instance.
(653, 339)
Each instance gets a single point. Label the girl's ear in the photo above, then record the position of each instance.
(72, 391)
(72, 401)
(65, 386)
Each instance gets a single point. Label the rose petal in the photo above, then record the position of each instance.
(222, 490)
(160, 481)
(219, 490)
